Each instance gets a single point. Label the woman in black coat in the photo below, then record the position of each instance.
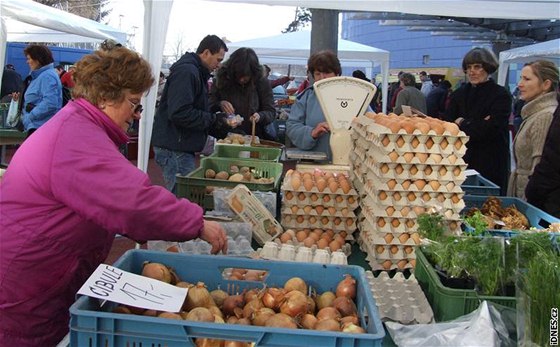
(482, 108)
(543, 189)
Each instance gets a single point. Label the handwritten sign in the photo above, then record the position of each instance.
(113, 284)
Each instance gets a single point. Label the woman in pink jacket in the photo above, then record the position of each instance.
(68, 191)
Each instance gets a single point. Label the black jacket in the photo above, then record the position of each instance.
(183, 119)
(436, 101)
(488, 146)
(543, 189)
(11, 82)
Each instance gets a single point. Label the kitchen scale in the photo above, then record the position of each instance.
(341, 99)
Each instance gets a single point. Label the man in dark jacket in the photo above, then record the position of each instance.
(183, 120)
(437, 100)
(543, 189)
(11, 82)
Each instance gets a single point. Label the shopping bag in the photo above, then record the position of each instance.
(13, 115)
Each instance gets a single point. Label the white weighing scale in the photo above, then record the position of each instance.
(342, 99)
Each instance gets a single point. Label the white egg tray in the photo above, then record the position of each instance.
(400, 299)
(315, 211)
(454, 173)
(290, 198)
(274, 251)
(324, 222)
(370, 207)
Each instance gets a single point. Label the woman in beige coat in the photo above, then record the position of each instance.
(538, 88)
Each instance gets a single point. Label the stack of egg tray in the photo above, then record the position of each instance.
(317, 203)
(403, 175)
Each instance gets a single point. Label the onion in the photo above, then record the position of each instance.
(253, 275)
(273, 298)
(311, 305)
(157, 271)
(218, 319)
(308, 321)
(251, 307)
(345, 306)
(295, 304)
(261, 315)
(198, 296)
(150, 313)
(328, 325)
(325, 300)
(136, 310)
(216, 311)
(243, 321)
(204, 342)
(184, 284)
(281, 320)
(170, 315)
(231, 303)
(218, 296)
(232, 319)
(251, 294)
(349, 319)
(295, 283)
(352, 328)
(122, 309)
(328, 313)
(200, 314)
(347, 287)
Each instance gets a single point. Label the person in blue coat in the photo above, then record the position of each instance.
(42, 90)
(307, 127)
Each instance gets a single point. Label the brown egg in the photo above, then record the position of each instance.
(437, 128)
(313, 197)
(415, 237)
(442, 171)
(406, 184)
(307, 209)
(458, 144)
(428, 170)
(322, 243)
(337, 221)
(300, 219)
(408, 249)
(351, 200)
(330, 232)
(331, 210)
(382, 195)
(400, 142)
(393, 156)
(308, 242)
(314, 236)
(436, 157)
(455, 198)
(397, 196)
(410, 223)
(285, 237)
(394, 127)
(402, 263)
(333, 186)
(345, 185)
(453, 225)
(412, 262)
(387, 264)
(326, 198)
(407, 126)
(301, 196)
(403, 237)
(418, 210)
(339, 199)
(343, 234)
(289, 196)
(384, 168)
(423, 127)
(413, 170)
(379, 249)
(405, 211)
(339, 239)
(422, 157)
(381, 222)
(429, 143)
(420, 184)
(390, 210)
(411, 196)
(391, 183)
(415, 142)
(451, 128)
(296, 182)
(388, 238)
(294, 209)
(457, 171)
(349, 222)
(319, 209)
(452, 158)
(408, 156)
(312, 220)
(394, 249)
(385, 141)
(321, 184)
(308, 184)
(435, 185)
(399, 169)
(301, 235)
(334, 246)
(324, 220)
(426, 197)
(450, 186)
(344, 211)
(395, 222)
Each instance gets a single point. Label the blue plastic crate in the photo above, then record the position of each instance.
(95, 327)
(537, 218)
(478, 185)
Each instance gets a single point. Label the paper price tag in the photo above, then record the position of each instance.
(113, 284)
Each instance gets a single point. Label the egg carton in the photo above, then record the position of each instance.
(274, 251)
(369, 206)
(400, 299)
(383, 252)
(364, 146)
(378, 156)
(324, 222)
(372, 237)
(348, 238)
(314, 199)
(309, 210)
(403, 198)
(454, 173)
(268, 199)
(416, 184)
(395, 225)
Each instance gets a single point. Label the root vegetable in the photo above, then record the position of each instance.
(325, 300)
(251, 307)
(231, 303)
(345, 306)
(295, 304)
(157, 271)
(218, 296)
(327, 325)
(281, 320)
(347, 287)
(273, 298)
(200, 314)
(328, 313)
(261, 315)
(352, 328)
(296, 283)
(198, 296)
(170, 315)
(308, 321)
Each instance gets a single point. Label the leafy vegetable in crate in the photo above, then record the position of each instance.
(499, 217)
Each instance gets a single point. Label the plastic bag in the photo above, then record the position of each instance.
(13, 116)
(483, 327)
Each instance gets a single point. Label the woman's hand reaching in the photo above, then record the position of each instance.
(214, 234)
(227, 107)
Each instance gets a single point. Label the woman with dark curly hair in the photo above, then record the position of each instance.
(69, 191)
(481, 108)
(42, 89)
(241, 88)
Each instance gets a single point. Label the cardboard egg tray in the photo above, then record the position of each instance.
(407, 303)
(315, 199)
(349, 239)
(455, 173)
(413, 185)
(329, 212)
(286, 186)
(374, 155)
(324, 222)
(394, 252)
(372, 209)
(371, 237)
(409, 198)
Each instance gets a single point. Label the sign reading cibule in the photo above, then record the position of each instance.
(113, 284)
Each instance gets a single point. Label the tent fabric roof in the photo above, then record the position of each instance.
(549, 50)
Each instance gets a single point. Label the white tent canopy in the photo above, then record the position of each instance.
(549, 50)
(294, 48)
(504, 9)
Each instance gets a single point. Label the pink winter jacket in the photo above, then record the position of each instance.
(66, 193)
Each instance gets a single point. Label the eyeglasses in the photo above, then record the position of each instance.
(136, 107)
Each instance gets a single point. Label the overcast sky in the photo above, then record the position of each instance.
(193, 19)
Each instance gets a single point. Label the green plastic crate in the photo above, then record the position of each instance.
(449, 303)
(247, 152)
(193, 186)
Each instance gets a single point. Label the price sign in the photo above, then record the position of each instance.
(113, 284)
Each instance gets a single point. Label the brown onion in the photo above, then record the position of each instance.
(352, 328)
(157, 271)
(295, 304)
(231, 303)
(216, 311)
(243, 321)
(218, 296)
(311, 305)
(170, 315)
(218, 319)
(296, 283)
(281, 320)
(122, 309)
(327, 325)
(308, 321)
(232, 319)
(325, 300)
(328, 313)
(261, 315)
(251, 294)
(273, 298)
(347, 287)
(251, 307)
(345, 306)
(200, 314)
(150, 313)
(198, 296)
(349, 319)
